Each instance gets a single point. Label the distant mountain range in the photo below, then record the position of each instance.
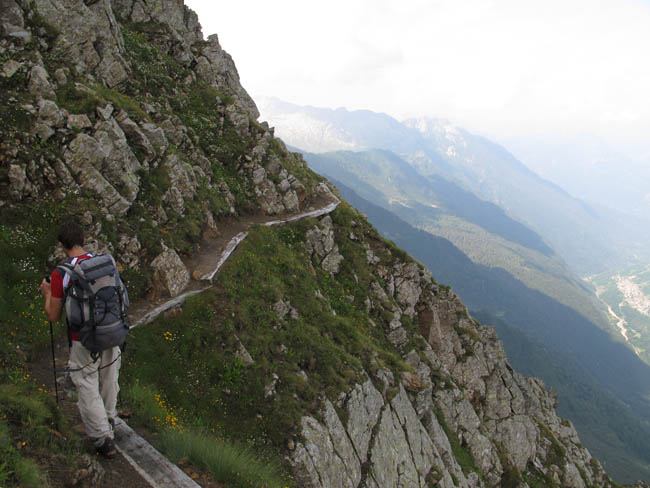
(590, 169)
(590, 239)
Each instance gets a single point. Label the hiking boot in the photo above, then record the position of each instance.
(107, 449)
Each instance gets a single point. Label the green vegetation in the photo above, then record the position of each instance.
(36, 443)
(461, 452)
(26, 239)
(331, 340)
(155, 73)
(233, 464)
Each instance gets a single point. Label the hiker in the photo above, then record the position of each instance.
(94, 373)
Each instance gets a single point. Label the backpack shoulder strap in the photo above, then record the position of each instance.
(66, 269)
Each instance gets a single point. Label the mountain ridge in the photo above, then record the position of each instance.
(564, 220)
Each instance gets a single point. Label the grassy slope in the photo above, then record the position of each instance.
(332, 340)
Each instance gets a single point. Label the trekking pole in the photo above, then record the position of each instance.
(56, 388)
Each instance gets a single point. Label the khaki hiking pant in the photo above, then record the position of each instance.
(97, 388)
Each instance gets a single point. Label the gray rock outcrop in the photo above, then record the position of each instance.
(170, 274)
(460, 399)
(89, 36)
(320, 243)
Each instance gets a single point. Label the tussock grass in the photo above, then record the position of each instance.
(28, 473)
(235, 465)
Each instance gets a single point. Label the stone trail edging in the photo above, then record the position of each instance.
(228, 250)
(174, 302)
(155, 468)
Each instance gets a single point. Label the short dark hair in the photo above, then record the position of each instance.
(71, 234)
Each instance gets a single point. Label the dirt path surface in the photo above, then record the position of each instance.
(133, 467)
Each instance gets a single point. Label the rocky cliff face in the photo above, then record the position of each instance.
(119, 112)
(122, 108)
(458, 416)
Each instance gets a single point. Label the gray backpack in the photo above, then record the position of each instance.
(95, 302)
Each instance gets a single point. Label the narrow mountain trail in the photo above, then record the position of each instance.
(140, 464)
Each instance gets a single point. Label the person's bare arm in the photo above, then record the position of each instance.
(53, 305)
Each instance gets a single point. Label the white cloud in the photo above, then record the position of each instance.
(497, 66)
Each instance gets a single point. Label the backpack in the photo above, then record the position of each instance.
(95, 302)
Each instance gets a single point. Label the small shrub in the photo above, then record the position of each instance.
(75, 100)
(28, 473)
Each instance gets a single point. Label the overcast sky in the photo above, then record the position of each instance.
(500, 67)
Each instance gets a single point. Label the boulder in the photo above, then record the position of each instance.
(242, 353)
(10, 67)
(317, 463)
(18, 180)
(106, 112)
(134, 135)
(156, 137)
(170, 274)
(320, 243)
(11, 17)
(80, 121)
(391, 463)
(50, 114)
(128, 251)
(39, 82)
(88, 473)
(85, 159)
(364, 406)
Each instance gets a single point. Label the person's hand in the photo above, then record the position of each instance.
(45, 287)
